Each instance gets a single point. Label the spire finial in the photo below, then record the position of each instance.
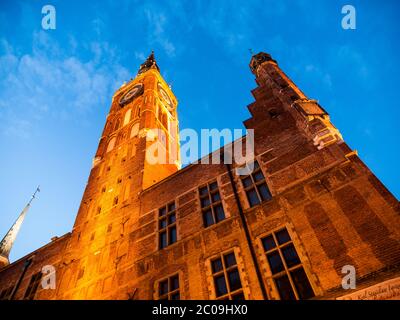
(149, 63)
(8, 241)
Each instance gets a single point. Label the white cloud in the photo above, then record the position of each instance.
(48, 83)
(157, 35)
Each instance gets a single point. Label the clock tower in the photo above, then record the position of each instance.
(138, 148)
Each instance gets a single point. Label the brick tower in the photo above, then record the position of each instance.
(150, 230)
(142, 115)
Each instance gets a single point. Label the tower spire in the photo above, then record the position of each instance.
(8, 240)
(149, 63)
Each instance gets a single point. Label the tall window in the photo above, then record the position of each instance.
(226, 278)
(167, 225)
(255, 186)
(33, 286)
(164, 120)
(117, 123)
(111, 144)
(168, 289)
(287, 271)
(127, 117)
(211, 205)
(6, 293)
(134, 130)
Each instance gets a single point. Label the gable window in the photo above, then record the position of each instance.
(33, 286)
(211, 204)
(226, 278)
(167, 225)
(255, 186)
(287, 271)
(168, 289)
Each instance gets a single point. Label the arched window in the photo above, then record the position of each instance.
(164, 120)
(127, 117)
(137, 112)
(111, 144)
(121, 137)
(116, 127)
(134, 130)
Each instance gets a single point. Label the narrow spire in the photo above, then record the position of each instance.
(9, 239)
(149, 63)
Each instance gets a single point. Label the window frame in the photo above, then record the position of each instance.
(255, 185)
(286, 269)
(225, 272)
(168, 226)
(212, 204)
(168, 295)
(5, 294)
(33, 286)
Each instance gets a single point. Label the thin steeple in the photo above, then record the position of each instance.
(148, 64)
(9, 239)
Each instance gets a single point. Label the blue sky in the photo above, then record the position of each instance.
(56, 85)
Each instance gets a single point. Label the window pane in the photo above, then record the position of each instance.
(215, 197)
(163, 223)
(268, 243)
(220, 286)
(275, 262)
(171, 207)
(163, 287)
(174, 283)
(163, 211)
(216, 265)
(282, 236)
(252, 197)
(258, 176)
(256, 166)
(230, 260)
(302, 284)
(208, 218)
(175, 296)
(284, 288)
(163, 240)
(219, 213)
(213, 186)
(290, 255)
(171, 218)
(205, 202)
(264, 192)
(172, 235)
(238, 296)
(203, 191)
(234, 280)
(247, 182)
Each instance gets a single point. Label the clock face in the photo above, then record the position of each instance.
(165, 96)
(133, 93)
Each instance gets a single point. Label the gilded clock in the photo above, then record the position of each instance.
(165, 96)
(133, 93)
